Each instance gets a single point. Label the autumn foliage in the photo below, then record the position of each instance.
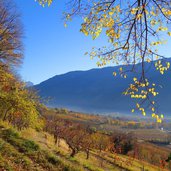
(17, 103)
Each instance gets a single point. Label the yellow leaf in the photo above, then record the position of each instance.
(134, 10)
(111, 12)
(169, 33)
(148, 60)
(114, 73)
(135, 79)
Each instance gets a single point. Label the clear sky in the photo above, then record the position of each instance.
(50, 48)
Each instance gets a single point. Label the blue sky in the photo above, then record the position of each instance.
(50, 48)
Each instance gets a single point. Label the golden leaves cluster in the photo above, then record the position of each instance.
(100, 19)
(143, 91)
(44, 2)
(161, 68)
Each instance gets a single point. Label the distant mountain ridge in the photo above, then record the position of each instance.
(29, 84)
(98, 91)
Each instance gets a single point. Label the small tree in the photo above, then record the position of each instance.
(74, 135)
(59, 127)
(122, 143)
(88, 143)
(101, 141)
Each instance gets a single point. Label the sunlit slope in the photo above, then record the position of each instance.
(32, 150)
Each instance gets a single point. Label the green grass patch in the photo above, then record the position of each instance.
(23, 145)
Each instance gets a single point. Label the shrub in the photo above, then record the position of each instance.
(53, 160)
(10, 133)
(29, 146)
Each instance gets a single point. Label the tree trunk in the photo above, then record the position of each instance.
(58, 142)
(73, 153)
(56, 139)
(88, 154)
(5, 114)
(100, 149)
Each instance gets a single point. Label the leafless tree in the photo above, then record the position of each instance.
(11, 47)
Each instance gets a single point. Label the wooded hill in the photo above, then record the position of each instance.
(98, 91)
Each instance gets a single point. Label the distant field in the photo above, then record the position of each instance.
(150, 134)
(144, 130)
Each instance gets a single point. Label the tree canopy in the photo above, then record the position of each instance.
(135, 30)
(17, 103)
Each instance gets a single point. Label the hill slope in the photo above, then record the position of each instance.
(30, 150)
(98, 91)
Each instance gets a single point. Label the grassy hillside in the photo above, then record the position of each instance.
(18, 153)
(32, 150)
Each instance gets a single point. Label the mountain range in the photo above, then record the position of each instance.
(98, 91)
